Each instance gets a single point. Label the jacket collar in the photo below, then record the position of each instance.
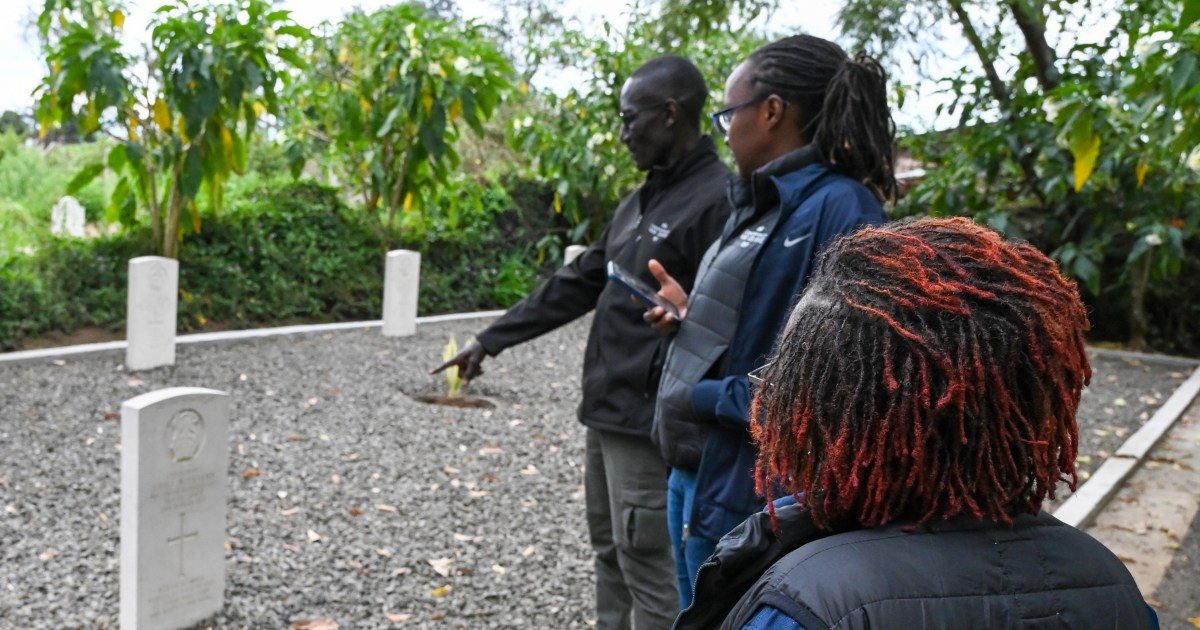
(661, 176)
(762, 191)
(741, 557)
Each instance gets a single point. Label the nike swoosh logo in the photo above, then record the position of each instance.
(788, 242)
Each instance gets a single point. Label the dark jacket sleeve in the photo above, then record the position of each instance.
(565, 296)
(725, 400)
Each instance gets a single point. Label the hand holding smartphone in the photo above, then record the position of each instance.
(639, 289)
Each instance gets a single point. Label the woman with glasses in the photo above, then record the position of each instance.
(917, 412)
(810, 130)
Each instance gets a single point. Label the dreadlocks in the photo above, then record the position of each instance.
(931, 369)
(843, 105)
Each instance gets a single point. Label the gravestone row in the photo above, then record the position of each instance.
(152, 303)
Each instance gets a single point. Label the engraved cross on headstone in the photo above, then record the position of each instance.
(179, 540)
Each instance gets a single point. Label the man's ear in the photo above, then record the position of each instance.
(672, 117)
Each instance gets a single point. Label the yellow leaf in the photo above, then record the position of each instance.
(455, 110)
(132, 124)
(1195, 621)
(227, 143)
(1085, 161)
(441, 71)
(191, 85)
(366, 105)
(182, 129)
(343, 54)
(162, 115)
(523, 88)
(427, 101)
(557, 204)
(1142, 167)
(442, 591)
(408, 202)
(57, 66)
(118, 19)
(202, 320)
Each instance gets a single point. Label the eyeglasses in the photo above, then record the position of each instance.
(756, 375)
(723, 118)
(627, 118)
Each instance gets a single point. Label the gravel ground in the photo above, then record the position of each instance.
(358, 487)
(387, 484)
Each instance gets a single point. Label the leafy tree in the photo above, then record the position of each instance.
(1088, 148)
(385, 100)
(12, 122)
(180, 115)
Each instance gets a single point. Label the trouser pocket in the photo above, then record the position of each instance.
(644, 515)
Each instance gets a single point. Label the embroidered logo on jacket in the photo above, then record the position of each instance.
(788, 242)
(659, 232)
(754, 237)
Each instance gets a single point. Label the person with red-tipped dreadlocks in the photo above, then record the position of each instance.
(919, 408)
(811, 133)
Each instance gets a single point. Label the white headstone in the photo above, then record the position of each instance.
(401, 288)
(573, 252)
(67, 217)
(174, 462)
(150, 312)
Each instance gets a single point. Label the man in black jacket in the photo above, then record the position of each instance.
(673, 216)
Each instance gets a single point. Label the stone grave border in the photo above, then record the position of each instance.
(28, 356)
(1079, 510)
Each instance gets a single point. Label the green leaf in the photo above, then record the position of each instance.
(433, 134)
(389, 121)
(1181, 75)
(295, 157)
(239, 155)
(1088, 272)
(120, 197)
(292, 57)
(1191, 13)
(294, 30)
(134, 152)
(192, 174)
(117, 157)
(84, 177)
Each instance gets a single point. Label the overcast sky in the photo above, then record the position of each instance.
(22, 70)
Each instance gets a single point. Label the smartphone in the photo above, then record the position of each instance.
(639, 289)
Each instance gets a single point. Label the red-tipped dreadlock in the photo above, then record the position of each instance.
(931, 369)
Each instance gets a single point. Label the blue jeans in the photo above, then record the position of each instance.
(690, 551)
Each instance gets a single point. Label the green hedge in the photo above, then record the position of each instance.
(293, 254)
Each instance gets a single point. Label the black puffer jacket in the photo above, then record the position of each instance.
(673, 218)
(962, 573)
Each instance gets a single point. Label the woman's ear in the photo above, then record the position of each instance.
(774, 111)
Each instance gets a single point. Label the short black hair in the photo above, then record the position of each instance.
(679, 80)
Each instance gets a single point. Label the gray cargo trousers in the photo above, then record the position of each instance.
(626, 486)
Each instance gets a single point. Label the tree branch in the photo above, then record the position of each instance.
(1033, 27)
(995, 83)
